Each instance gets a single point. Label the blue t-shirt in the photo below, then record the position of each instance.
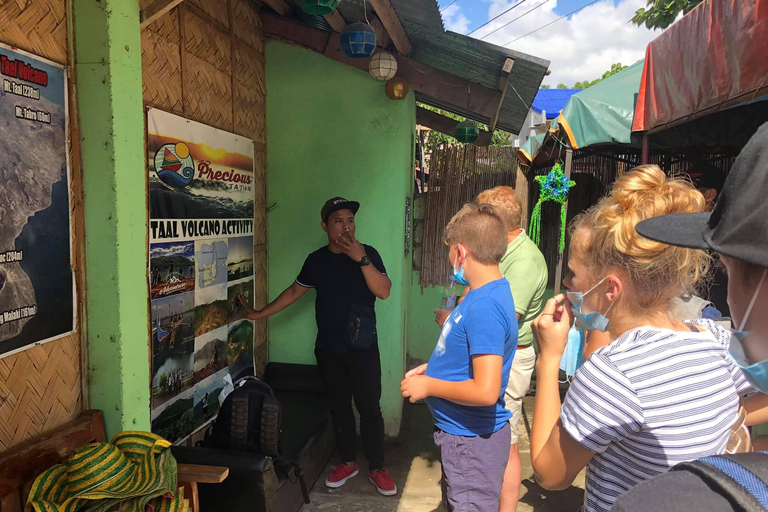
(484, 323)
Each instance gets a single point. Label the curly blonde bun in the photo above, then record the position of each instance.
(657, 272)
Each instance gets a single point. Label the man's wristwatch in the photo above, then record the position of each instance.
(365, 261)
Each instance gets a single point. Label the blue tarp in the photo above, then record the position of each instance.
(552, 101)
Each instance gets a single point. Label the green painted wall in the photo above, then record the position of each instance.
(108, 61)
(423, 332)
(332, 131)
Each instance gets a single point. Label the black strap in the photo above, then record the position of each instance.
(732, 490)
(293, 467)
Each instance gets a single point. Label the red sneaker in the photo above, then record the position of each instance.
(384, 484)
(340, 475)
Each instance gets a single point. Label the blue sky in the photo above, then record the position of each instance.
(580, 47)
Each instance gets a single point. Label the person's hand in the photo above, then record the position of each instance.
(416, 388)
(419, 370)
(552, 326)
(351, 247)
(441, 315)
(250, 313)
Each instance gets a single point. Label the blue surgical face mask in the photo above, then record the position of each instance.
(573, 356)
(458, 273)
(756, 373)
(589, 321)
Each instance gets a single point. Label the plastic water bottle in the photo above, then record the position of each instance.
(448, 302)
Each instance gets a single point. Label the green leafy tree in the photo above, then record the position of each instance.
(562, 86)
(545, 86)
(662, 13)
(586, 84)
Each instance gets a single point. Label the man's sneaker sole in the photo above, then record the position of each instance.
(336, 485)
(382, 491)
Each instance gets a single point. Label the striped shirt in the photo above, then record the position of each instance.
(651, 399)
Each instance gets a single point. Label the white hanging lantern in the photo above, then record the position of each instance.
(383, 66)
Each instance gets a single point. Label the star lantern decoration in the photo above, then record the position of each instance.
(554, 186)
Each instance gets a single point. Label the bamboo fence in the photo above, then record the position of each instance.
(457, 175)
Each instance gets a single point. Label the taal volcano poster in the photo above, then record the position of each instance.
(201, 200)
(37, 288)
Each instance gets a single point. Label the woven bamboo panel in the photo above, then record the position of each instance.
(260, 276)
(167, 26)
(247, 24)
(37, 26)
(39, 390)
(209, 94)
(250, 94)
(206, 43)
(260, 199)
(216, 9)
(161, 71)
(261, 357)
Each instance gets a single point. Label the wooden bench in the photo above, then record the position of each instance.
(22, 464)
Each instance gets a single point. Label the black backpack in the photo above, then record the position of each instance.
(249, 420)
(742, 478)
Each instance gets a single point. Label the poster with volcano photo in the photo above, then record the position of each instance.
(37, 292)
(201, 206)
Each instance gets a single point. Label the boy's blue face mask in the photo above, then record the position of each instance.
(458, 273)
(590, 321)
(756, 373)
(573, 356)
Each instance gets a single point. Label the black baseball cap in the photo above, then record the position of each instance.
(706, 175)
(336, 204)
(738, 225)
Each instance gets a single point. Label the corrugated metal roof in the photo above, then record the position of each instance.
(468, 58)
(552, 101)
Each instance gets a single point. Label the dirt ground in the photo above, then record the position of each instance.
(413, 462)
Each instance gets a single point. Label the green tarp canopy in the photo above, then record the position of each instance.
(601, 114)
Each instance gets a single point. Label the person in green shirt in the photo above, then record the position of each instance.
(526, 270)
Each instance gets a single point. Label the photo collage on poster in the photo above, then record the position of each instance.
(200, 262)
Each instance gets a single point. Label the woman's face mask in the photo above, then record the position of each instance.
(756, 373)
(590, 321)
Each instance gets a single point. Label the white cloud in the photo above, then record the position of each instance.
(580, 48)
(454, 20)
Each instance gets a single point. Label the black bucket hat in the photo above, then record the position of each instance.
(738, 225)
(336, 204)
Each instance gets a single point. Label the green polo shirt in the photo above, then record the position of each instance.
(524, 267)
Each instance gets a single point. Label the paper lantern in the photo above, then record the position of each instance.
(318, 7)
(397, 88)
(383, 66)
(467, 132)
(358, 40)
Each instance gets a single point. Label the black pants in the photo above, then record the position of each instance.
(357, 374)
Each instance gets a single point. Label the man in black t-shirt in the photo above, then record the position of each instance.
(345, 273)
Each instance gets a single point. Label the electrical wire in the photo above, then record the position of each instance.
(552, 22)
(496, 17)
(447, 6)
(514, 20)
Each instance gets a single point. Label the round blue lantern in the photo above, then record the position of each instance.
(358, 40)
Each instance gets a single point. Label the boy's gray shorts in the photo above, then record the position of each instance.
(473, 469)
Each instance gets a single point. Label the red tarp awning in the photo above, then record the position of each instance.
(715, 57)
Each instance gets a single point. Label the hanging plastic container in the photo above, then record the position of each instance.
(318, 7)
(467, 132)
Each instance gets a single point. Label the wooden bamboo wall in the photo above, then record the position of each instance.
(204, 60)
(41, 388)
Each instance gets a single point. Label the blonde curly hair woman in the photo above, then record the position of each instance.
(663, 391)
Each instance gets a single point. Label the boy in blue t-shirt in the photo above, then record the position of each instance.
(463, 380)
